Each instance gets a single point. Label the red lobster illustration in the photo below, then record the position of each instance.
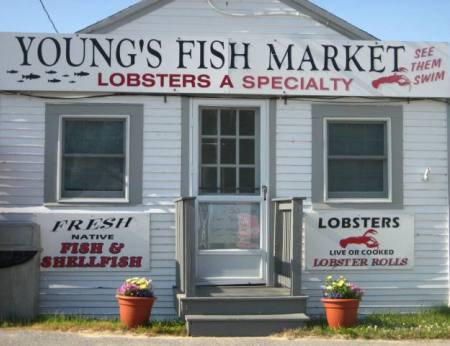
(400, 79)
(365, 239)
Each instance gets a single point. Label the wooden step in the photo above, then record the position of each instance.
(231, 305)
(242, 325)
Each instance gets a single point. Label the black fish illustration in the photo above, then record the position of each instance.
(50, 72)
(72, 81)
(30, 76)
(54, 80)
(65, 75)
(81, 74)
(20, 81)
(12, 71)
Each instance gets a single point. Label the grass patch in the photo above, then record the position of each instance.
(431, 324)
(74, 323)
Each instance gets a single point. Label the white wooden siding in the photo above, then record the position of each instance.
(22, 173)
(424, 146)
(195, 17)
(22, 123)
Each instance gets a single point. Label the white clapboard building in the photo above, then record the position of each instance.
(236, 152)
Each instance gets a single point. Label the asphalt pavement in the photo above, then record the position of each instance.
(26, 337)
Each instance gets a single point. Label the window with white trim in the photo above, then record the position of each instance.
(357, 159)
(94, 153)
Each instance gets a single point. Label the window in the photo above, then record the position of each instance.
(94, 157)
(357, 156)
(357, 159)
(229, 147)
(93, 153)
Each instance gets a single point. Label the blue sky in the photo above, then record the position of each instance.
(403, 20)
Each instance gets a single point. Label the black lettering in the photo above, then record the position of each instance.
(119, 55)
(25, 49)
(287, 55)
(396, 222)
(345, 222)
(330, 57)
(321, 225)
(59, 224)
(385, 222)
(109, 222)
(374, 58)
(333, 222)
(96, 47)
(352, 58)
(68, 50)
(307, 57)
(155, 53)
(396, 49)
(234, 55)
(217, 54)
(57, 51)
(75, 224)
(182, 52)
(202, 54)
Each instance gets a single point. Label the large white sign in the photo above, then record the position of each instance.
(219, 65)
(359, 240)
(94, 241)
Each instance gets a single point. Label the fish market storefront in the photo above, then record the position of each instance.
(216, 145)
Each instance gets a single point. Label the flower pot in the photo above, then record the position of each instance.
(135, 311)
(341, 312)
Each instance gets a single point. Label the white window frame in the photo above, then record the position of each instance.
(387, 120)
(59, 188)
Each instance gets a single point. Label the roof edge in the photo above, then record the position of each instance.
(115, 20)
(305, 6)
(330, 20)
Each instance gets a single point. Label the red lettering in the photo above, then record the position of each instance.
(135, 262)
(100, 81)
(46, 262)
(133, 80)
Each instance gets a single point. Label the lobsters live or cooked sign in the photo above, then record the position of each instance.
(359, 240)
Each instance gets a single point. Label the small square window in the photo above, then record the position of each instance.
(93, 161)
(357, 159)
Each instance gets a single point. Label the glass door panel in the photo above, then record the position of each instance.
(229, 226)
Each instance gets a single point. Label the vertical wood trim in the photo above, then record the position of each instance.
(295, 250)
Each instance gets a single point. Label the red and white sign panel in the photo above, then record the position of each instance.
(219, 65)
(94, 241)
(364, 240)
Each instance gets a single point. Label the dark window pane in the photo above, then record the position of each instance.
(208, 179)
(247, 180)
(356, 139)
(93, 174)
(356, 175)
(209, 150)
(228, 122)
(247, 151)
(228, 151)
(94, 136)
(209, 122)
(228, 180)
(247, 122)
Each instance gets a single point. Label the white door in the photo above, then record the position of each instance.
(229, 178)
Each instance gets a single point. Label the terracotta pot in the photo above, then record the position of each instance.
(341, 312)
(135, 311)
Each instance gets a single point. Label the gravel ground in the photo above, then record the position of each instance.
(19, 337)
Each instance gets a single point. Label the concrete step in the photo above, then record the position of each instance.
(226, 305)
(242, 325)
